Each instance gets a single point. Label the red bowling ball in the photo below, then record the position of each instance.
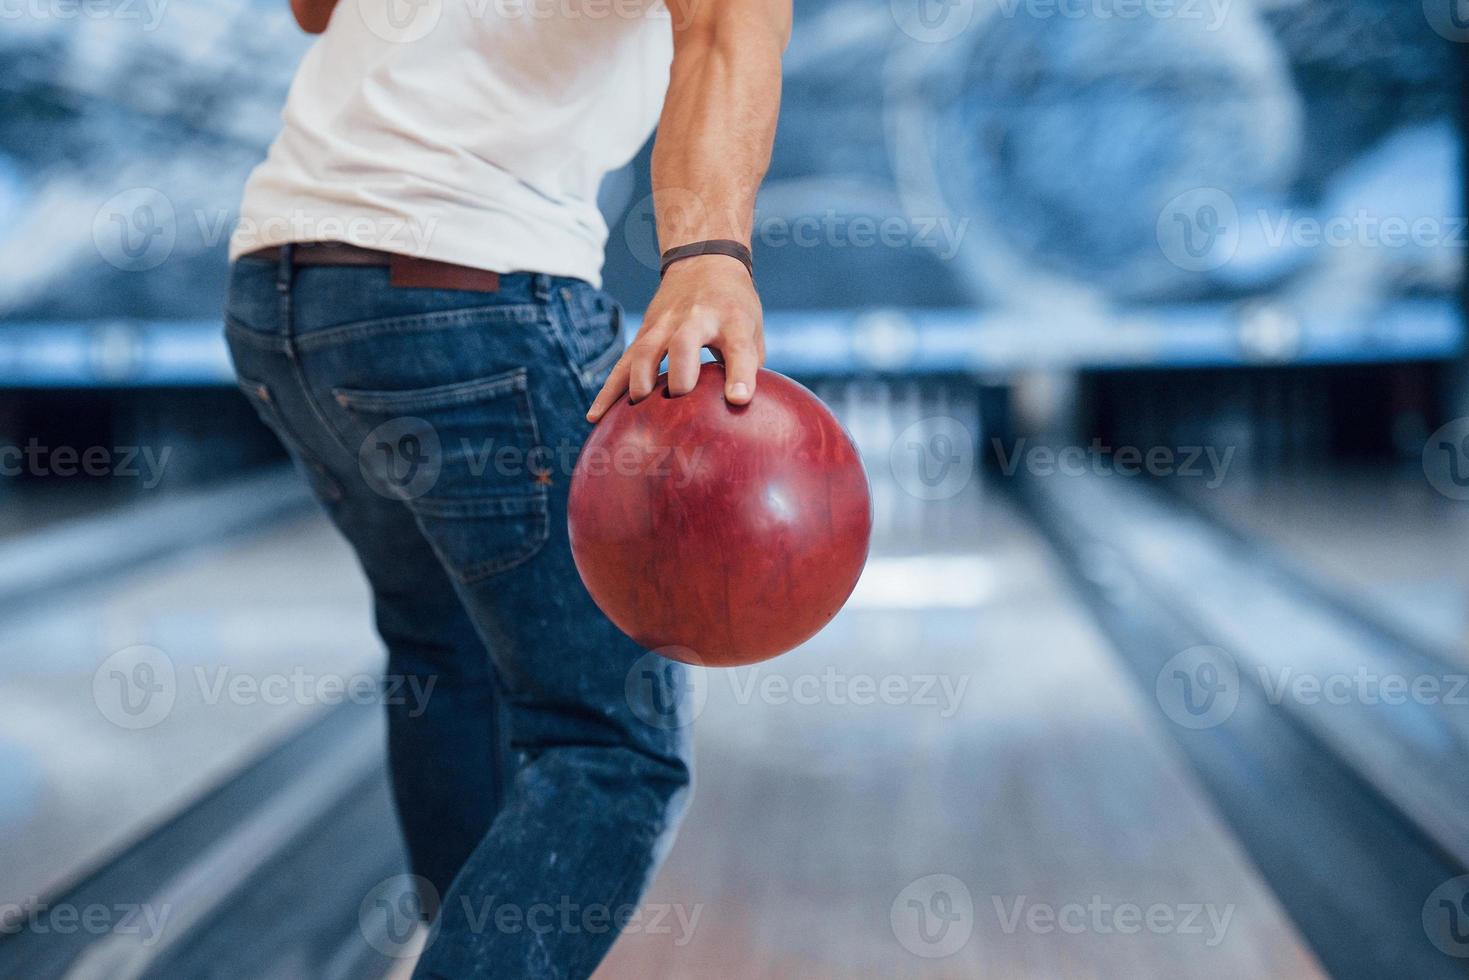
(718, 534)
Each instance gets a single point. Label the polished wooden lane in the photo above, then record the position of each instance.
(245, 642)
(1014, 760)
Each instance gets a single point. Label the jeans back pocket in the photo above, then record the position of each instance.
(465, 459)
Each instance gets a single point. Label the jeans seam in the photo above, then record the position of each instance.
(260, 393)
(556, 323)
(236, 330)
(414, 323)
(487, 569)
(293, 352)
(605, 360)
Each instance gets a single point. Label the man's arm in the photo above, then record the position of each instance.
(312, 15)
(712, 149)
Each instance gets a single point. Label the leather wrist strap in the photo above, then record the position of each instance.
(715, 246)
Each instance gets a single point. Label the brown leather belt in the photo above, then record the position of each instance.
(403, 270)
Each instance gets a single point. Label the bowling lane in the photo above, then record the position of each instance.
(954, 779)
(241, 644)
(25, 510)
(1385, 536)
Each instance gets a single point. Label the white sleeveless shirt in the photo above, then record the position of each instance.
(470, 131)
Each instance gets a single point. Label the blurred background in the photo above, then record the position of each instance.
(1148, 318)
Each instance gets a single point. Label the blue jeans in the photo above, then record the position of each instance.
(550, 763)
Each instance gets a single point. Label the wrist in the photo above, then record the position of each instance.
(704, 265)
(709, 248)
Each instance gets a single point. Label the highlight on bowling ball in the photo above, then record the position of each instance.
(720, 534)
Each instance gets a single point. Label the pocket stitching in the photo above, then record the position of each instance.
(558, 324)
(450, 508)
(440, 396)
(604, 360)
(535, 542)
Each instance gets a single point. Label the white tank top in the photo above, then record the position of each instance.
(470, 131)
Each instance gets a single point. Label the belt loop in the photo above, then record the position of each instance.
(540, 284)
(284, 274)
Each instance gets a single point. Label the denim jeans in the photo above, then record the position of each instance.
(549, 765)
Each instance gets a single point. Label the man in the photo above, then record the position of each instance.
(415, 310)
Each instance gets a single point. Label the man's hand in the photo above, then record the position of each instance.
(707, 301)
(713, 146)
